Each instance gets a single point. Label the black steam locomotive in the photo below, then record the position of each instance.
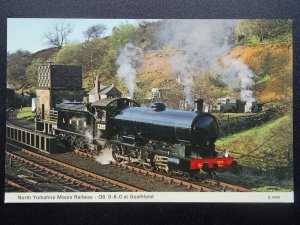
(155, 137)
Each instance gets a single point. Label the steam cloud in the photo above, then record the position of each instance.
(200, 45)
(197, 46)
(105, 157)
(237, 74)
(128, 61)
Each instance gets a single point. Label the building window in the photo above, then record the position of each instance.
(77, 122)
(84, 124)
(64, 120)
(70, 121)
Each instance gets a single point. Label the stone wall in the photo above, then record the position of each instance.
(52, 97)
(56, 84)
(43, 97)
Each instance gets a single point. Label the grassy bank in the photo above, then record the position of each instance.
(25, 113)
(264, 154)
(264, 150)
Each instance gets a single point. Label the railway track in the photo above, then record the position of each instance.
(155, 182)
(179, 183)
(210, 185)
(13, 186)
(161, 178)
(68, 183)
(88, 181)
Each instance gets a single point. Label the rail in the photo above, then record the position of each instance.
(54, 172)
(170, 180)
(18, 186)
(85, 172)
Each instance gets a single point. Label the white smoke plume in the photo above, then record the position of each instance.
(128, 61)
(105, 157)
(200, 45)
(88, 134)
(235, 74)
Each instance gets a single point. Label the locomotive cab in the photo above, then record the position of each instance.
(104, 109)
(100, 122)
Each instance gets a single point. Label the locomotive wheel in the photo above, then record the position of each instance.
(116, 151)
(212, 173)
(79, 144)
(134, 155)
(147, 160)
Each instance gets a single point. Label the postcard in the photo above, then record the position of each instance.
(149, 110)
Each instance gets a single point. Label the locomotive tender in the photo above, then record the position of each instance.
(155, 137)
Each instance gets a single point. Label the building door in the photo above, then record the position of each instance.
(43, 111)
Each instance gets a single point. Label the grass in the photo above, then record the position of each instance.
(25, 113)
(272, 188)
(265, 147)
(226, 116)
(257, 183)
(264, 79)
(274, 60)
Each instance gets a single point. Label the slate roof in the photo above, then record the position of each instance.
(104, 89)
(104, 102)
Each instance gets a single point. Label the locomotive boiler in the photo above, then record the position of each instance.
(154, 137)
(195, 131)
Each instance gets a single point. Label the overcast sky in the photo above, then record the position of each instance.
(28, 34)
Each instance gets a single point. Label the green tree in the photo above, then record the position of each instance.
(31, 72)
(16, 68)
(263, 29)
(94, 32)
(120, 36)
(70, 54)
(93, 54)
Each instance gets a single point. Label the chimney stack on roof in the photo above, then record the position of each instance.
(97, 89)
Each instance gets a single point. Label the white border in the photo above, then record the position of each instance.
(228, 197)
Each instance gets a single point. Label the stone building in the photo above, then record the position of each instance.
(103, 92)
(56, 84)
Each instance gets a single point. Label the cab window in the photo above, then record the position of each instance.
(100, 115)
(103, 115)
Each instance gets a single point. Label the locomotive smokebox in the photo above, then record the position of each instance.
(198, 105)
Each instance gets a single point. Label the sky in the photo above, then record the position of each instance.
(29, 34)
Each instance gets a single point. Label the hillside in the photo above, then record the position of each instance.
(271, 63)
(259, 142)
(45, 54)
(22, 68)
(155, 67)
(161, 54)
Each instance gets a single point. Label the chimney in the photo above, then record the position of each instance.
(198, 105)
(97, 89)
